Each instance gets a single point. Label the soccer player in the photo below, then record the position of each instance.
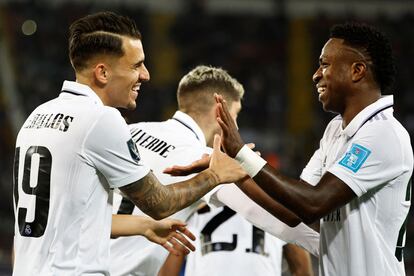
(183, 139)
(73, 150)
(227, 244)
(358, 181)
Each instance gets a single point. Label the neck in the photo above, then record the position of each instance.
(81, 78)
(357, 104)
(205, 124)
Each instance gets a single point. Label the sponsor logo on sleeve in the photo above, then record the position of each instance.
(355, 157)
(133, 150)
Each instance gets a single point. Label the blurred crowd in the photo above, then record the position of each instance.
(257, 50)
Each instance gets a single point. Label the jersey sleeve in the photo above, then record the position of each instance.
(301, 234)
(110, 148)
(312, 173)
(373, 158)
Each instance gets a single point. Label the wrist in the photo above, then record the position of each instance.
(250, 161)
(211, 174)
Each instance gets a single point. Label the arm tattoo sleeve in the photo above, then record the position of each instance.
(161, 201)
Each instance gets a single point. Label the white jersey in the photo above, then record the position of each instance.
(180, 141)
(177, 141)
(66, 163)
(227, 244)
(373, 156)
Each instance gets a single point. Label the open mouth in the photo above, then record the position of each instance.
(321, 91)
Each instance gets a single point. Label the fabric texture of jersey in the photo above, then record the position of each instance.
(227, 244)
(373, 156)
(177, 141)
(70, 153)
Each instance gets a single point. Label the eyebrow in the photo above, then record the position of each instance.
(139, 62)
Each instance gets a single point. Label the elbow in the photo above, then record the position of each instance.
(157, 215)
(293, 222)
(311, 215)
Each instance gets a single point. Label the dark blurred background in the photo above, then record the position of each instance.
(270, 46)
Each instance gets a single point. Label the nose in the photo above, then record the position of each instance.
(317, 75)
(144, 74)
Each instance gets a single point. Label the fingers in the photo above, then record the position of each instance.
(251, 145)
(171, 249)
(216, 143)
(179, 247)
(178, 236)
(177, 171)
(187, 232)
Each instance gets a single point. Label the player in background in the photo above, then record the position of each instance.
(182, 139)
(73, 150)
(227, 244)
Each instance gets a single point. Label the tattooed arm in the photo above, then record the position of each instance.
(159, 201)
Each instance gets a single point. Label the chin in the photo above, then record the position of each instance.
(131, 106)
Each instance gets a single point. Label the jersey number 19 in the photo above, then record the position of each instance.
(37, 165)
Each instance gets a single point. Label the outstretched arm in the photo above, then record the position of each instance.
(169, 233)
(161, 201)
(299, 261)
(308, 202)
(299, 234)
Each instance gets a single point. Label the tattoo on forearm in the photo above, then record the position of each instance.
(158, 200)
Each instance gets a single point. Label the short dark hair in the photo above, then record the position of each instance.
(99, 33)
(374, 44)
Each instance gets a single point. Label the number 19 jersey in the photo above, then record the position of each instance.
(70, 153)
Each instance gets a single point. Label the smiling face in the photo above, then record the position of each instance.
(126, 74)
(333, 78)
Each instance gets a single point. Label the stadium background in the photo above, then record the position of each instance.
(270, 46)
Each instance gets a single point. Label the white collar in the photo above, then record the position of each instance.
(367, 113)
(189, 122)
(80, 89)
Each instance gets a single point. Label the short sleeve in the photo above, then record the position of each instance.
(372, 159)
(110, 148)
(312, 173)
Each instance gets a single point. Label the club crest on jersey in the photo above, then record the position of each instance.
(133, 150)
(355, 157)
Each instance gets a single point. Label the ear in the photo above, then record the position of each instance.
(359, 69)
(101, 73)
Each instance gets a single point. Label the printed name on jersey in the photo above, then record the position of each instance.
(355, 157)
(133, 150)
(333, 217)
(54, 121)
(152, 143)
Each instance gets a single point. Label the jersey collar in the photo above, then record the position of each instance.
(77, 88)
(189, 122)
(367, 113)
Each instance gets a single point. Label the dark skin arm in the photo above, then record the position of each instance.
(308, 202)
(172, 265)
(254, 192)
(248, 186)
(299, 260)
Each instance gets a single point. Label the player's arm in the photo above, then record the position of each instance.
(172, 265)
(300, 234)
(161, 201)
(299, 260)
(308, 202)
(166, 232)
(247, 185)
